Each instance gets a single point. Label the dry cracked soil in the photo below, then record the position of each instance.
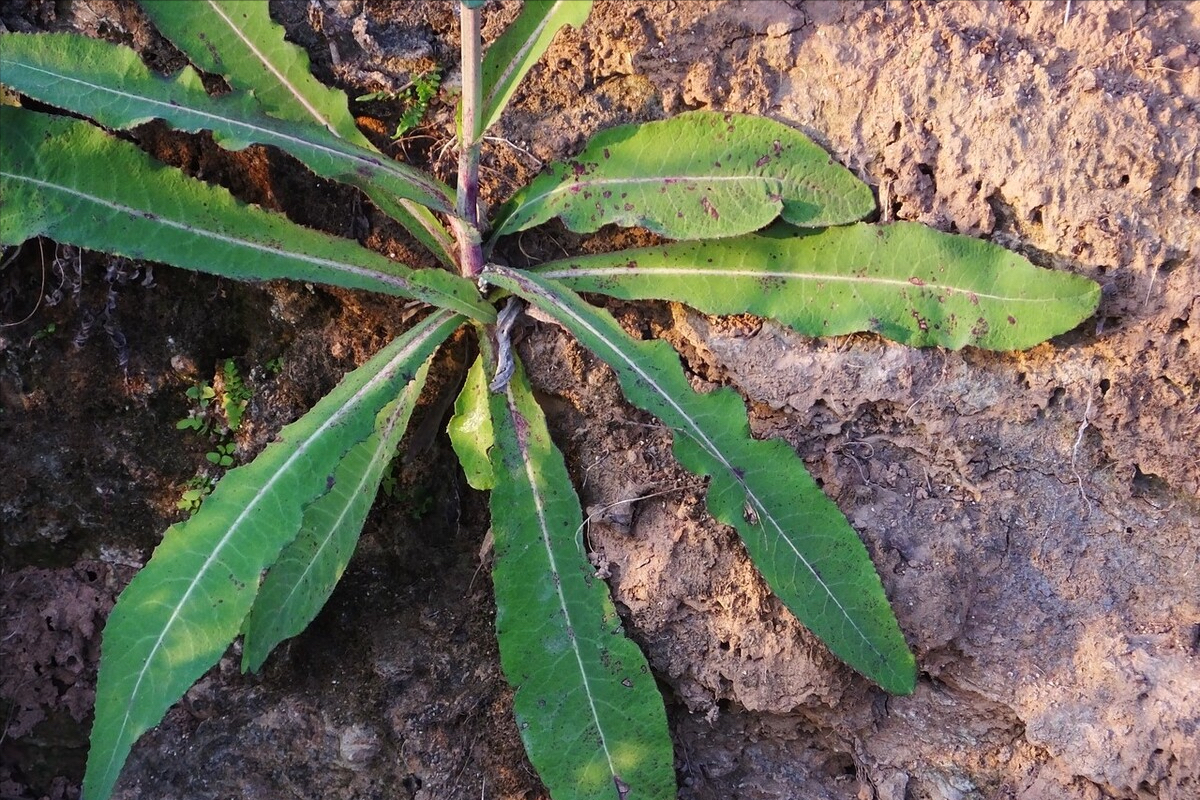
(1034, 516)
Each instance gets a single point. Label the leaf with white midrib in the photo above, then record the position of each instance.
(301, 580)
(57, 179)
(905, 281)
(699, 175)
(110, 84)
(799, 540)
(515, 52)
(181, 611)
(289, 94)
(248, 49)
(585, 700)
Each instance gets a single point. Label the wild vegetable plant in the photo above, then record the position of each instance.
(762, 221)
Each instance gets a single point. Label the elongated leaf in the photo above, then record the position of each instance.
(799, 540)
(586, 703)
(240, 42)
(512, 55)
(183, 608)
(470, 429)
(699, 175)
(110, 84)
(67, 180)
(904, 281)
(237, 40)
(306, 572)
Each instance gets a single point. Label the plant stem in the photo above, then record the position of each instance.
(466, 227)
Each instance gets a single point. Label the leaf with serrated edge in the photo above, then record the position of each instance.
(57, 180)
(307, 570)
(243, 45)
(183, 608)
(512, 55)
(110, 84)
(470, 429)
(907, 282)
(238, 41)
(699, 175)
(799, 540)
(585, 700)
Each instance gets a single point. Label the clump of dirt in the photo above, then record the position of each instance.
(1033, 515)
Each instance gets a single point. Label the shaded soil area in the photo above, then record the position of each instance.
(1034, 516)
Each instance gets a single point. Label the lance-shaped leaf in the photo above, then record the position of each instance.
(72, 182)
(239, 41)
(110, 84)
(520, 46)
(470, 428)
(306, 572)
(905, 281)
(183, 608)
(699, 175)
(799, 540)
(585, 700)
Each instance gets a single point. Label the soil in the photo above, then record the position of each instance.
(1034, 516)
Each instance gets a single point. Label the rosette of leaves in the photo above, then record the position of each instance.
(762, 221)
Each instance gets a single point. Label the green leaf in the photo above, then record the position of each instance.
(586, 703)
(57, 180)
(306, 572)
(904, 281)
(181, 611)
(799, 540)
(238, 40)
(512, 55)
(699, 175)
(470, 429)
(110, 84)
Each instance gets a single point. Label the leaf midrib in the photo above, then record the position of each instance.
(266, 62)
(338, 266)
(256, 131)
(700, 436)
(513, 64)
(545, 535)
(302, 448)
(604, 272)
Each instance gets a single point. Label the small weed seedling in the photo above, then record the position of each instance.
(194, 492)
(760, 220)
(414, 98)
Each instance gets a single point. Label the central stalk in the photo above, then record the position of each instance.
(466, 226)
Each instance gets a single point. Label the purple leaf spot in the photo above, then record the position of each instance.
(762, 161)
(1012, 320)
(915, 281)
(709, 208)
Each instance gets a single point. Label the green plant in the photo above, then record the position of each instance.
(763, 222)
(222, 454)
(414, 98)
(194, 491)
(234, 395)
(202, 394)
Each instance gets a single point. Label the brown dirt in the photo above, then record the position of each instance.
(1034, 516)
